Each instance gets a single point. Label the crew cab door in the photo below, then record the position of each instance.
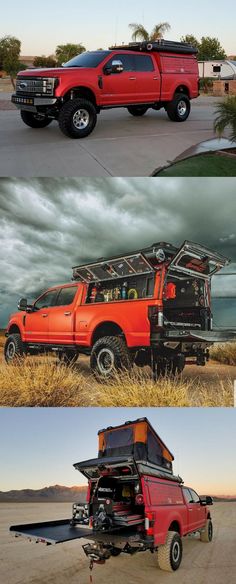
(119, 88)
(197, 260)
(61, 317)
(196, 512)
(148, 79)
(37, 322)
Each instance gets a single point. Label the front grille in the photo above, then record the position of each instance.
(35, 86)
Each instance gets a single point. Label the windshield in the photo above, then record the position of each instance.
(88, 59)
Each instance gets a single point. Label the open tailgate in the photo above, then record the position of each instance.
(214, 336)
(52, 532)
(194, 259)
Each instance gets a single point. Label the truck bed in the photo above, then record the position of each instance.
(52, 532)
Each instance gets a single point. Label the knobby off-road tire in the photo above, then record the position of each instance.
(179, 108)
(14, 348)
(137, 110)
(35, 120)
(169, 555)
(207, 534)
(109, 354)
(77, 118)
(67, 357)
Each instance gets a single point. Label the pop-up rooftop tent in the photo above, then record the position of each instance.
(137, 439)
(133, 444)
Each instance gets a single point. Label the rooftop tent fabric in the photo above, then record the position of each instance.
(136, 439)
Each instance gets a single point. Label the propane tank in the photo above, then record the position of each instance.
(124, 290)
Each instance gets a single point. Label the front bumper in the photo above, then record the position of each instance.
(193, 336)
(26, 102)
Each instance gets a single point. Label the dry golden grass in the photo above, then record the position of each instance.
(224, 353)
(41, 382)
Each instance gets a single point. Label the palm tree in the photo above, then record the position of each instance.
(226, 116)
(139, 32)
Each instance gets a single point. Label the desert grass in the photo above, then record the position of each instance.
(224, 353)
(43, 382)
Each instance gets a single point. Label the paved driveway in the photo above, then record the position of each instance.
(121, 145)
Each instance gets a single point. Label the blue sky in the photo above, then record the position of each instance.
(39, 446)
(41, 27)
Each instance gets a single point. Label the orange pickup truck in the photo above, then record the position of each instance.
(150, 307)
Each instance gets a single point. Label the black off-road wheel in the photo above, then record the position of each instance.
(77, 118)
(169, 555)
(35, 120)
(14, 348)
(179, 108)
(67, 357)
(207, 535)
(109, 354)
(137, 110)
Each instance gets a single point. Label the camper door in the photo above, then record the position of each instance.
(193, 259)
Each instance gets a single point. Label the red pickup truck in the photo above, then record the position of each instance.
(150, 307)
(134, 501)
(137, 76)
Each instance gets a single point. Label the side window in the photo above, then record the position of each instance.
(48, 299)
(188, 495)
(195, 497)
(66, 296)
(143, 63)
(126, 60)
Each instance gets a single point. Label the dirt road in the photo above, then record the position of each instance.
(22, 562)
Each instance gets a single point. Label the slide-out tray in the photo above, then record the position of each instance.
(52, 532)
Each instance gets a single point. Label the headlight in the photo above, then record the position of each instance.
(49, 84)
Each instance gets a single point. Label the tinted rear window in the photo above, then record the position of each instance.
(66, 296)
(88, 59)
(143, 63)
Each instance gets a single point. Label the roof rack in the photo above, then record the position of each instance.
(159, 46)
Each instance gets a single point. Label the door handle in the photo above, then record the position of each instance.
(132, 78)
(44, 315)
(156, 78)
(190, 510)
(67, 313)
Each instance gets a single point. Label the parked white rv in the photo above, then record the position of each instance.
(217, 69)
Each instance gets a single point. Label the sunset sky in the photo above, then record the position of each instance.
(38, 446)
(98, 24)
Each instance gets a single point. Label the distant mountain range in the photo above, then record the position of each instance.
(61, 494)
(55, 494)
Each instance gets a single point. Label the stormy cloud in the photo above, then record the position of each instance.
(48, 225)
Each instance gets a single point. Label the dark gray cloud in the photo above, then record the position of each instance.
(48, 225)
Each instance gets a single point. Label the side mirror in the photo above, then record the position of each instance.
(22, 304)
(115, 67)
(206, 500)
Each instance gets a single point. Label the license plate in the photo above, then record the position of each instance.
(22, 100)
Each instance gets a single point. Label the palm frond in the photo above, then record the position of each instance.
(226, 118)
(139, 32)
(159, 30)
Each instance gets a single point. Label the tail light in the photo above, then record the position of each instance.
(139, 499)
(149, 523)
(155, 316)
